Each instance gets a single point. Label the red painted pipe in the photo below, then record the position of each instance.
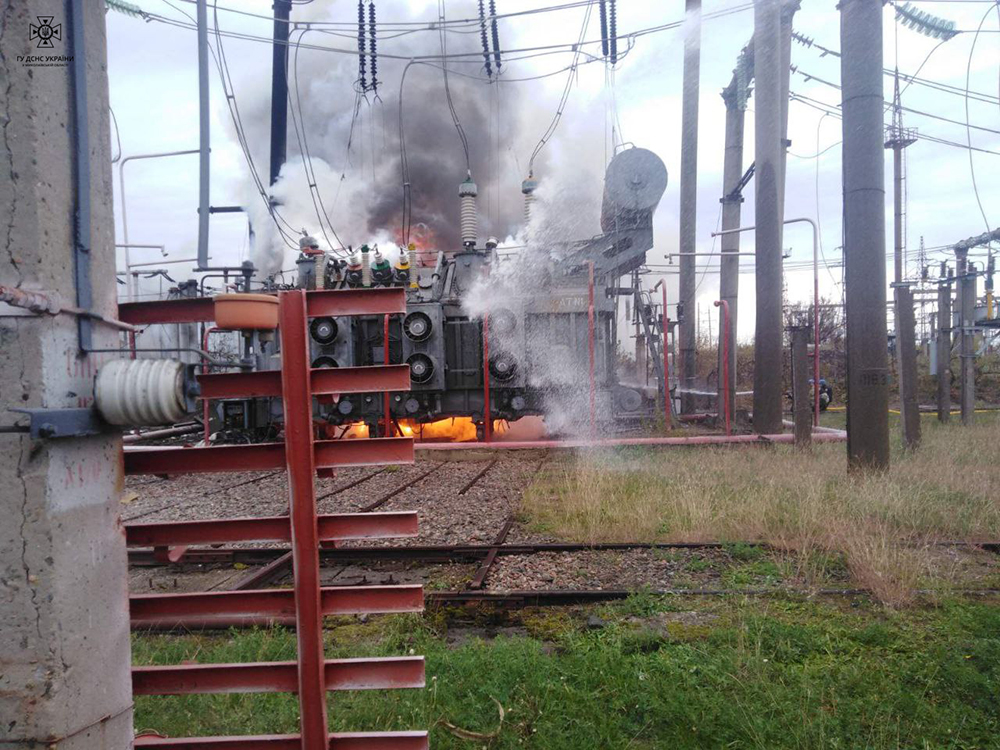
(821, 437)
(388, 414)
(725, 359)
(590, 336)
(487, 417)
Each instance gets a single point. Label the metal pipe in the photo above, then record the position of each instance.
(121, 184)
(590, 339)
(204, 135)
(689, 196)
(724, 346)
(822, 437)
(815, 237)
(864, 234)
(487, 416)
(81, 158)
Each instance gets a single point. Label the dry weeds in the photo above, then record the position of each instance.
(805, 502)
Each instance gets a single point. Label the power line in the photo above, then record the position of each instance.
(811, 77)
(834, 110)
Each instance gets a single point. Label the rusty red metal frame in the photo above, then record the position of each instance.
(322, 381)
(156, 610)
(337, 741)
(334, 527)
(263, 456)
(277, 677)
(304, 606)
(318, 304)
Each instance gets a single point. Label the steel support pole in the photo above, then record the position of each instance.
(897, 219)
(944, 348)
(204, 135)
(864, 234)
(801, 406)
(906, 357)
(769, 137)
(300, 464)
(279, 87)
(732, 204)
(689, 199)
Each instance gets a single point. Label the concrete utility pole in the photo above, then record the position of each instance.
(906, 353)
(967, 321)
(898, 138)
(944, 347)
(64, 624)
(768, 179)
(689, 199)
(735, 96)
(864, 234)
(801, 401)
(279, 87)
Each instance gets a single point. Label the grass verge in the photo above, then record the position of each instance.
(802, 501)
(646, 673)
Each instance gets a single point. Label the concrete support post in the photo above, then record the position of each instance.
(944, 348)
(801, 398)
(864, 234)
(732, 204)
(967, 351)
(64, 624)
(769, 136)
(689, 198)
(906, 353)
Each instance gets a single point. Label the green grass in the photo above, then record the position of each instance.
(660, 674)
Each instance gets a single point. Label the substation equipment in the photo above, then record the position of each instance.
(549, 336)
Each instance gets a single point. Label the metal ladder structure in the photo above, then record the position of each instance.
(311, 676)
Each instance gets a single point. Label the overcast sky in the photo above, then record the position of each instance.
(153, 80)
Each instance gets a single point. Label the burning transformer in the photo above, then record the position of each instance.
(522, 330)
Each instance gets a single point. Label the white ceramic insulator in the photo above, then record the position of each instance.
(141, 392)
(469, 220)
(529, 198)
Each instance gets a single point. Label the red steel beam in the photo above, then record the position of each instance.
(322, 381)
(338, 741)
(380, 301)
(277, 677)
(319, 303)
(333, 527)
(160, 610)
(264, 456)
(196, 310)
(301, 465)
